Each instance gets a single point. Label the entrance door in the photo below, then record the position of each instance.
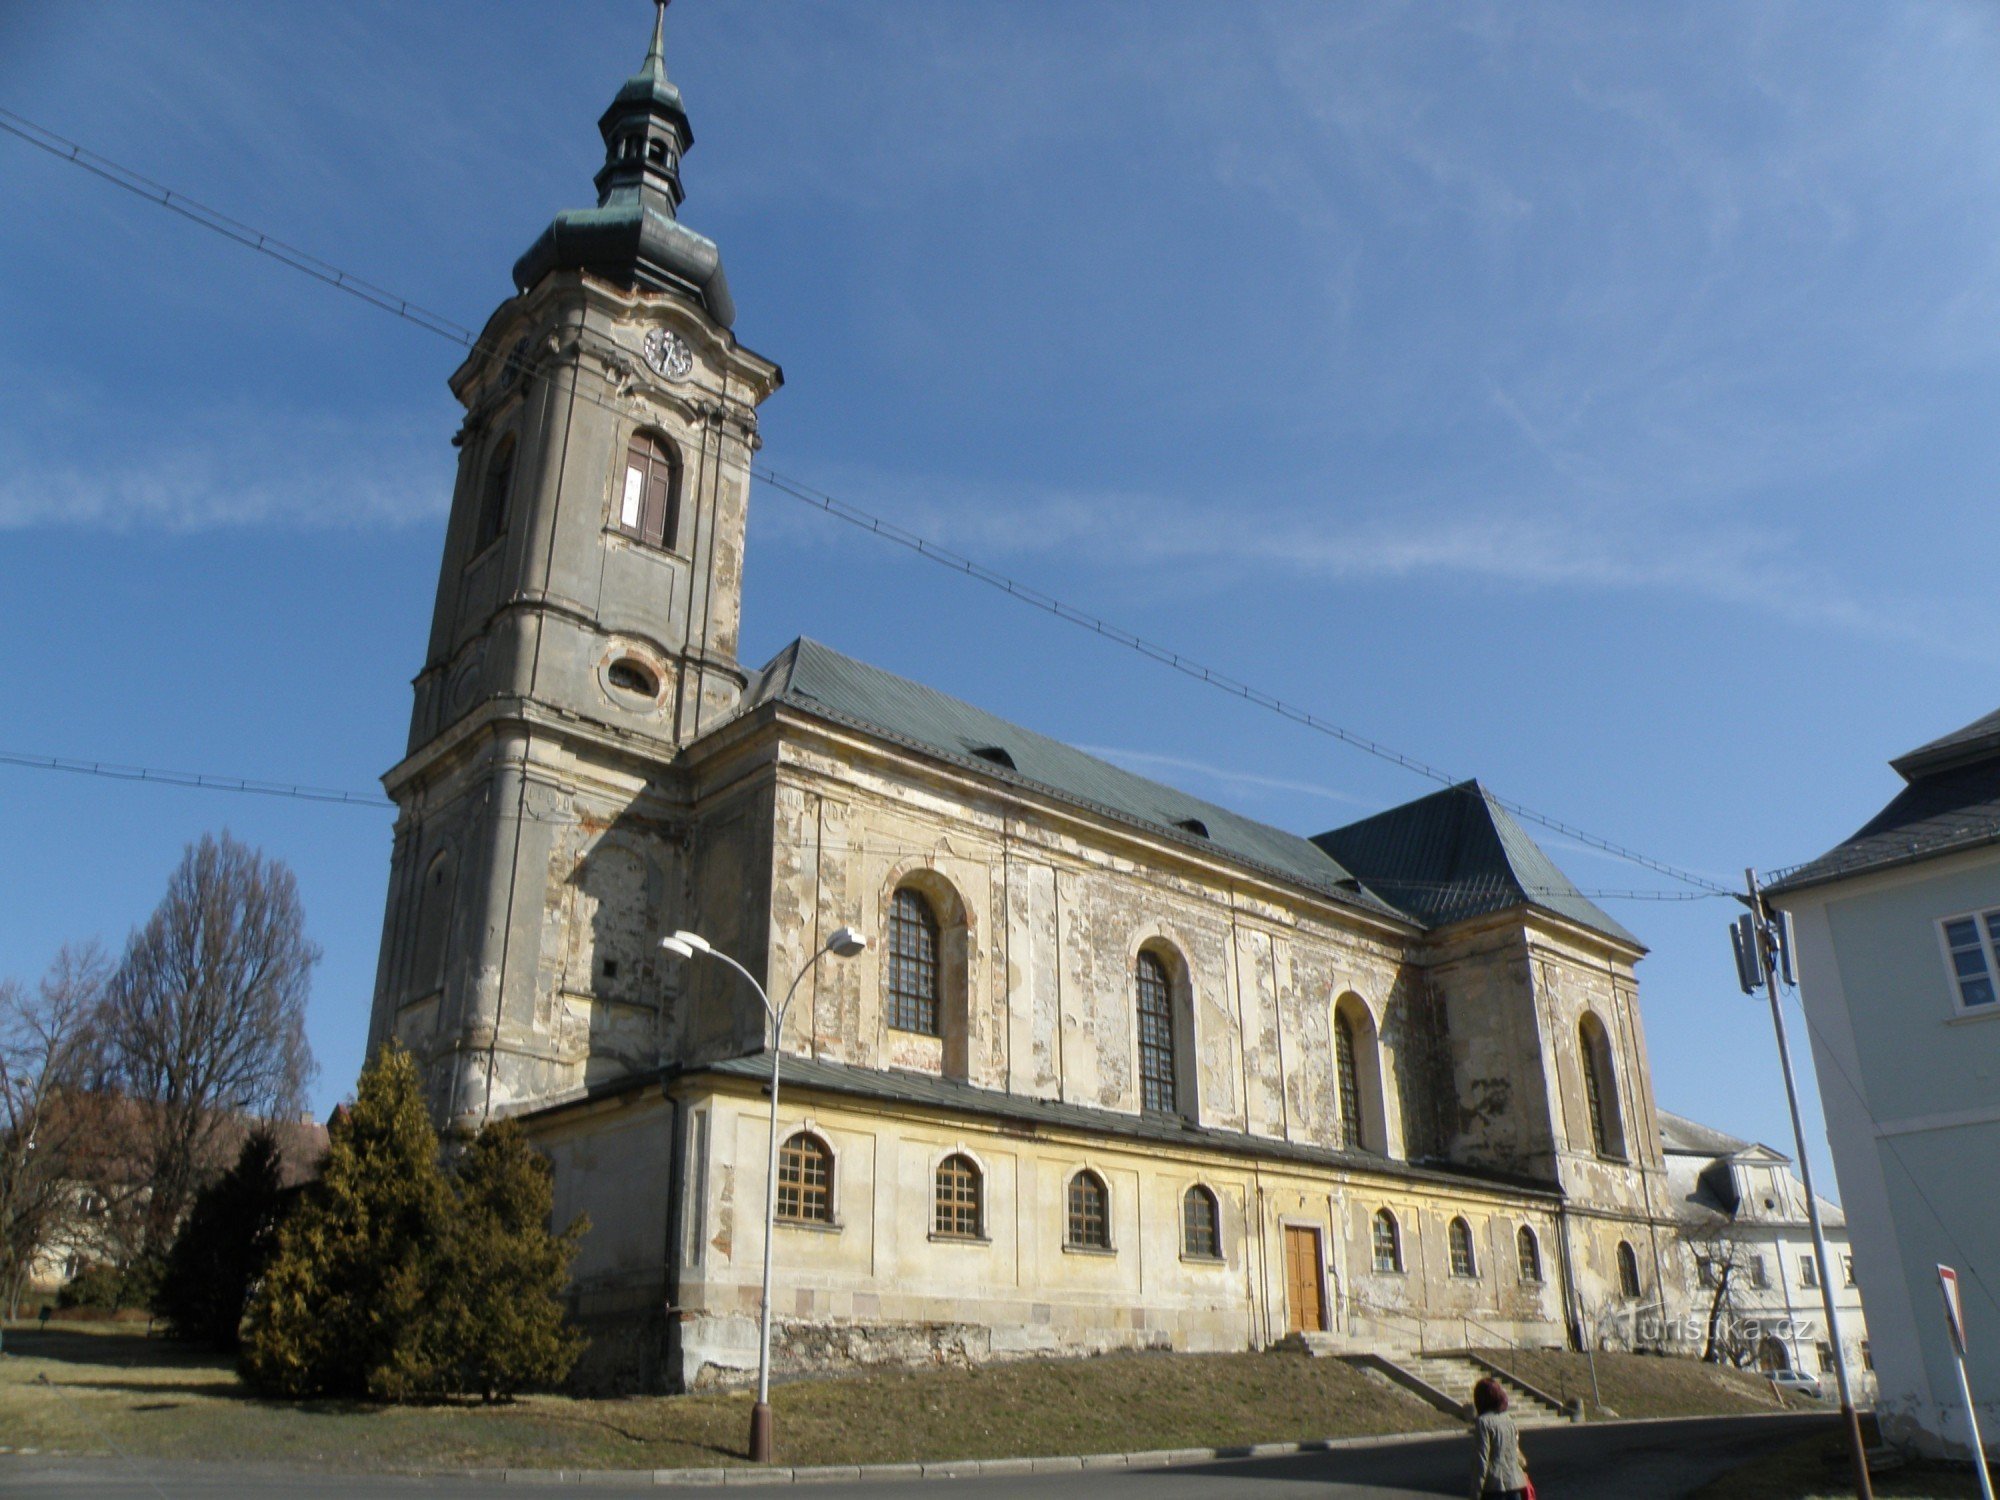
(1305, 1299)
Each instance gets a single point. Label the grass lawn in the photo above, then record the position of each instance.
(110, 1386)
(1818, 1469)
(1643, 1385)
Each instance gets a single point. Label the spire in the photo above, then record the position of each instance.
(633, 235)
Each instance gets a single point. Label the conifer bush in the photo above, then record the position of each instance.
(223, 1248)
(397, 1281)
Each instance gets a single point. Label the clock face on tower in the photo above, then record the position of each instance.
(667, 352)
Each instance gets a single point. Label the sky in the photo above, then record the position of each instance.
(1575, 396)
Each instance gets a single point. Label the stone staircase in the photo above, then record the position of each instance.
(1445, 1380)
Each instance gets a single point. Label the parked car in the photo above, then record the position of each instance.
(1798, 1382)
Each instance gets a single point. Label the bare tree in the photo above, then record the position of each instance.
(205, 1018)
(1723, 1260)
(48, 1056)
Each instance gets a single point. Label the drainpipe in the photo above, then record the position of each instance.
(670, 1297)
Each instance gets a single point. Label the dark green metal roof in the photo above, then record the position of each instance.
(1937, 813)
(816, 680)
(1458, 854)
(1976, 741)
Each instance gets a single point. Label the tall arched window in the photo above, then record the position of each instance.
(1157, 1063)
(650, 502)
(1388, 1241)
(959, 1195)
(1089, 1212)
(1349, 1079)
(1600, 1087)
(1530, 1251)
(913, 963)
(1628, 1270)
(434, 903)
(805, 1180)
(1201, 1224)
(1459, 1236)
(493, 496)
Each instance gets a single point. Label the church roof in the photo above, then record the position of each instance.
(1952, 802)
(1457, 854)
(1680, 1136)
(1437, 860)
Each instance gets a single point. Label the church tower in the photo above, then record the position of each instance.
(585, 629)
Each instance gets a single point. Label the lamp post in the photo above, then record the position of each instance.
(845, 943)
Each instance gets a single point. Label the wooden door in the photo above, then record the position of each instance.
(1305, 1298)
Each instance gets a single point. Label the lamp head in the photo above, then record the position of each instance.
(676, 947)
(693, 940)
(846, 942)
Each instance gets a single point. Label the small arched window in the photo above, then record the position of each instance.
(1388, 1242)
(959, 1207)
(1157, 1062)
(649, 506)
(493, 496)
(1201, 1224)
(1600, 1088)
(1530, 1251)
(1459, 1236)
(1628, 1270)
(1089, 1212)
(913, 963)
(805, 1180)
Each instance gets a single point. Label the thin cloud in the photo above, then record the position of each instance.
(1144, 761)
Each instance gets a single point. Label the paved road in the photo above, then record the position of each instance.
(1612, 1461)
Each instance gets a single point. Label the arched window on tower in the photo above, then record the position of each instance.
(1357, 1076)
(913, 963)
(1628, 1269)
(650, 502)
(1600, 1088)
(1158, 1055)
(493, 496)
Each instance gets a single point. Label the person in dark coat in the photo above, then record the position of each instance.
(1497, 1465)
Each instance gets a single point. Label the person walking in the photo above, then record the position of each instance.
(1497, 1465)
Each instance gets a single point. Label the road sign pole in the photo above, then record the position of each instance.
(1954, 1322)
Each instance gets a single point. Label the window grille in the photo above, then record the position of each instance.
(1201, 1231)
(805, 1180)
(1460, 1236)
(1531, 1256)
(1089, 1212)
(1388, 1242)
(1156, 1037)
(913, 964)
(1349, 1077)
(1628, 1270)
(958, 1185)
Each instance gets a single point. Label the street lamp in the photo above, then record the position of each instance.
(845, 943)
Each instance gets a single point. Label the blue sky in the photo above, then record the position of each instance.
(1599, 400)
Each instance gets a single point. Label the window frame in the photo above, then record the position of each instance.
(976, 1175)
(1153, 976)
(1189, 1251)
(1384, 1218)
(1808, 1270)
(825, 1154)
(1600, 1088)
(1983, 921)
(1528, 1256)
(1347, 1078)
(908, 1004)
(1459, 1249)
(496, 497)
(1102, 1244)
(667, 518)
(1629, 1285)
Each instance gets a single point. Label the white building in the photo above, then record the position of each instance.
(1751, 1258)
(1898, 945)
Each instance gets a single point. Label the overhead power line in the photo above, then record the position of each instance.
(202, 779)
(132, 181)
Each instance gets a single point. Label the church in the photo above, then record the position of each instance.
(1118, 1068)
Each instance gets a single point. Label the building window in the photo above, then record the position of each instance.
(493, 497)
(1349, 1077)
(1825, 1353)
(1760, 1275)
(1847, 1268)
(1201, 1227)
(913, 964)
(1388, 1240)
(1460, 1236)
(1530, 1250)
(805, 1180)
(1704, 1270)
(1089, 1212)
(1600, 1088)
(958, 1197)
(1808, 1271)
(1972, 951)
(649, 505)
(1628, 1270)
(1156, 1036)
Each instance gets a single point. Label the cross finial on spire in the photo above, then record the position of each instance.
(658, 53)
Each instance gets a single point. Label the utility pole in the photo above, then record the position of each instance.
(1761, 953)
